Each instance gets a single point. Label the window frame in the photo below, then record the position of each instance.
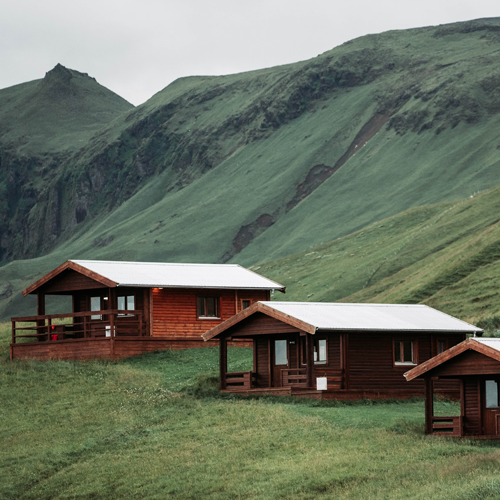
(127, 308)
(414, 352)
(250, 302)
(204, 298)
(303, 353)
(445, 342)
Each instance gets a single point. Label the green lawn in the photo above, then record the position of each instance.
(155, 427)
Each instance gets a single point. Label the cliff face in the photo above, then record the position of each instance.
(259, 164)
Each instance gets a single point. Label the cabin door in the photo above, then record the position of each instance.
(491, 407)
(280, 360)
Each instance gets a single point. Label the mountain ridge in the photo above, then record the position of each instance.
(256, 166)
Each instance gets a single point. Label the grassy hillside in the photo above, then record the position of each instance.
(41, 124)
(251, 167)
(445, 255)
(155, 427)
(57, 113)
(266, 163)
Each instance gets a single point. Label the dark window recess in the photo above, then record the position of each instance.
(245, 304)
(442, 345)
(404, 352)
(208, 307)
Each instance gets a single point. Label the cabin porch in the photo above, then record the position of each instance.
(479, 416)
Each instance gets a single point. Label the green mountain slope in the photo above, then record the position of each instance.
(41, 124)
(445, 255)
(251, 167)
(57, 113)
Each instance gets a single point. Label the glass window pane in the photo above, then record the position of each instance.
(441, 346)
(211, 306)
(407, 352)
(322, 350)
(130, 302)
(121, 303)
(280, 354)
(95, 305)
(245, 304)
(397, 351)
(201, 306)
(491, 394)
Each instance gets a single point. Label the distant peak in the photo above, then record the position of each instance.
(58, 73)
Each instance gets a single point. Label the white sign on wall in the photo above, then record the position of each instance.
(321, 384)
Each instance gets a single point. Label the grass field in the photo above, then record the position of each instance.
(155, 427)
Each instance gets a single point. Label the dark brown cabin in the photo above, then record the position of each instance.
(337, 351)
(122, 309)
(475, 365)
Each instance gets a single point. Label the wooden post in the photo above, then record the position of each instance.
(462, 406)
(40, 311)
(429, 404)
(223, 362)
(13, 340)
(112, 333)
(254, 346)
(310, 360)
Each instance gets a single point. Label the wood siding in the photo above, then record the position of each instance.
(468, 363)
(260, 324)
(175, 310)
(371, 361)
(69, 280)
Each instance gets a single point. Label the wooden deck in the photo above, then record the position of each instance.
(294, 384)
(107, 348)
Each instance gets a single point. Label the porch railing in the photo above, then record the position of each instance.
(294, 377)
(239, 380)
(447, 426)
(297, 377)
(81, 325)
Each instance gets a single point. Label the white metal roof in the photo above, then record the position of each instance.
(494, 343)
(167, 275)
(374, 317)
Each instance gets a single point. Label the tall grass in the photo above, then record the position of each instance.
(152, 427)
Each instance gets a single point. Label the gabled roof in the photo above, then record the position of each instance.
(488, 346)
(332, 316)
(164, 275)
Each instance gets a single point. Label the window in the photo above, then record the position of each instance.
(491, 387)
(95, 305)
(126, 303)
(280, 352)
(320, 351)
(405, 352)
(208, 307)
(442, 345)
(245, 304)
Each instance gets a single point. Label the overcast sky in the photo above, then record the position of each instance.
(136, 48)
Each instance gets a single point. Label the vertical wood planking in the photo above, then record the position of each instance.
(429, 405)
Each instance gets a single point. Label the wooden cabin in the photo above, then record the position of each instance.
(475, 365)
(337, 351)
(121, 309)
